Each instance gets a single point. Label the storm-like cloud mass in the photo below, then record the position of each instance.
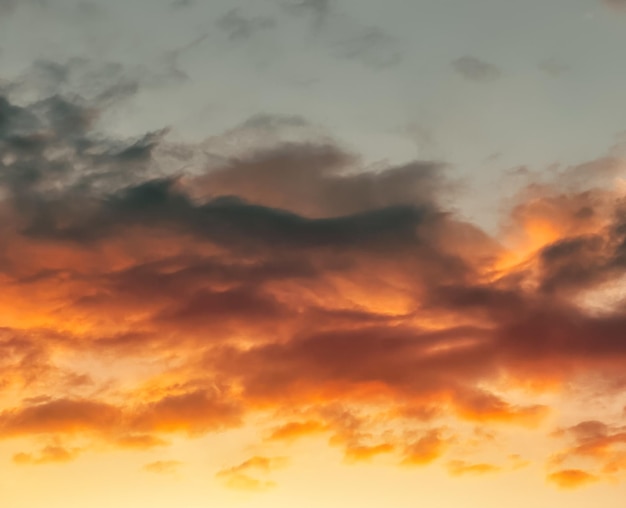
(153, 289)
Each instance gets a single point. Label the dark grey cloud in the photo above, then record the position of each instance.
(292, 197)
(319, 180)
(227, 220)
(475, 69)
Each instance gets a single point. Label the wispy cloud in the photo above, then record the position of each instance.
(475, 69)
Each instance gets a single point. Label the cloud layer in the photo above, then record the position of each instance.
(152, 291)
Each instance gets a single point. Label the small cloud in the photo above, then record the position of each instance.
(481, 406)
(140, 441)
(48, 455)
(240, 477)
(460, 467)
(474, 69)
(572, 478)
(553, 67)
(244, 482)
(366, 453)
(162, 466)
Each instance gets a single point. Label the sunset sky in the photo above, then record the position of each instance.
(312, 253)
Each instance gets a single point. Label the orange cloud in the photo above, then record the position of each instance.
(295, 430)
(460, 467)
(366, 453)
(425, 450)
(239, 477)
(482, 406)
(571, 478)
(139, 441)
(193, 412)
(162, 466)
(138, 303)
(247, 483)
(603, 444)
(60, 416)
(49, 454)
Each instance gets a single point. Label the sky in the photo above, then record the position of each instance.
(312, 253)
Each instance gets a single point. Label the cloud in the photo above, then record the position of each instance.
(372, 47)
(425, 450)
(239, 27)
(461, 467)
(571, 478)
(190, 413)
(283, 277)
(474, 69)
(139, 441)
(365, 453)
(239, 477)
(162, 466)
(484, 406)
(319, 10)
(193, 413)
(294, 430)
(60, 416)
(49, 455)
(596, 443)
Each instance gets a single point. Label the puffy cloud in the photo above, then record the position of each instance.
(60, 416)
(426, 449)
(597, 444)
(142, 300)
(571, 478)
